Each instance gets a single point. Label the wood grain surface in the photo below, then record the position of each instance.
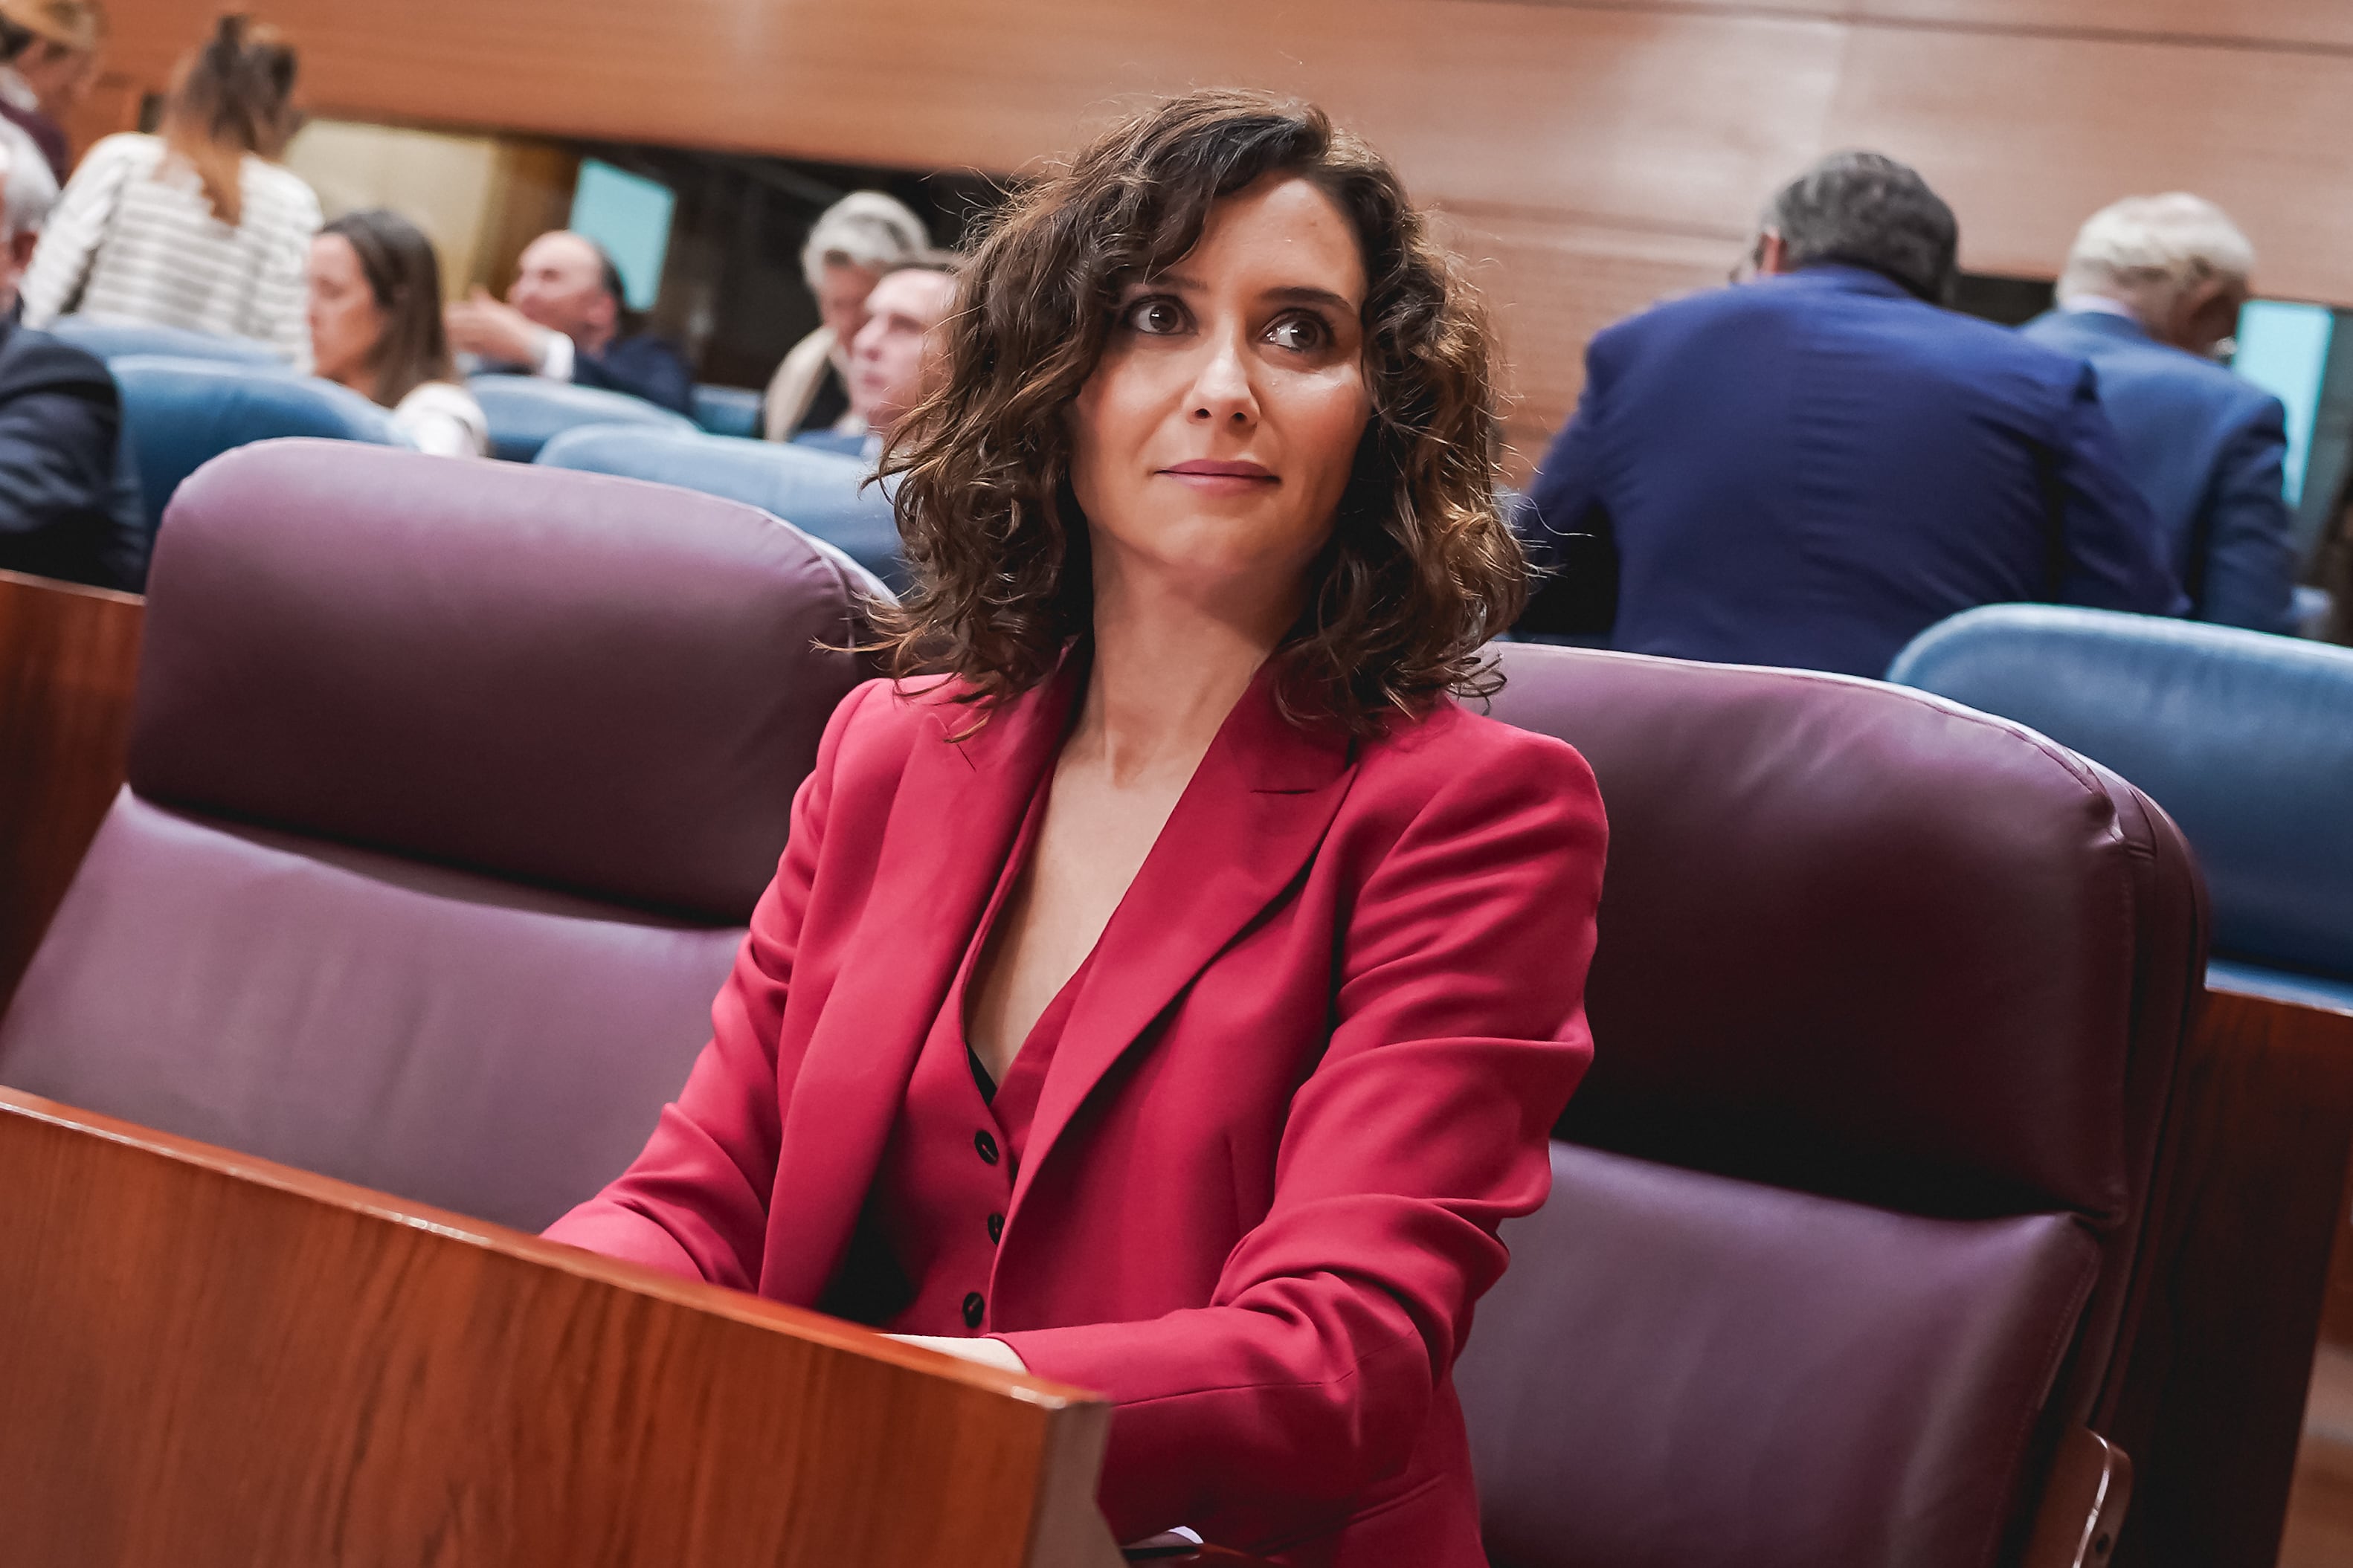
(1658, 123)
(215, 1363)
(69, 660)
(2210, 1402)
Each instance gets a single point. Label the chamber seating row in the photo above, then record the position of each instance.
(190, 396)
(1857, 1220)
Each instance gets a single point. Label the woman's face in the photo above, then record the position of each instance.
(346, 323)
(1215, 438)
(59, 77)
(841, 300)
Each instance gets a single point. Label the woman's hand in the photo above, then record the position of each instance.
(987, 1352)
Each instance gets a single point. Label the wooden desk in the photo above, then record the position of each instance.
(212, 1361)
(2211, 1399)
(68, 657)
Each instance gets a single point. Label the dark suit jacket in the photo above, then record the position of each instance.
(68, 498)
(643, 366)
(2209, 449)
(1311, 1068)
(1811, 470)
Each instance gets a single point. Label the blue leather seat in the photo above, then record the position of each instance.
(112, 339)
(824, 495)
(179, 414)
(727, 410)
(525, 411)
(2245, 739)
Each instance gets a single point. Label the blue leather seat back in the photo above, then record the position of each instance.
(526, 411)
(111, 340)
(822, 495)
(2246, 739)
(727, 410)
(179, 414)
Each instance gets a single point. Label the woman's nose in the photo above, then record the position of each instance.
(1222, 393)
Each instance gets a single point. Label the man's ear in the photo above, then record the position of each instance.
(1772, 254)
(2208, 314)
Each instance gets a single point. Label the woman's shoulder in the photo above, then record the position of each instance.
(281, 187)
(1449, 748)
(444, 418)
(441, 396)
(124, 148)
(889, 714)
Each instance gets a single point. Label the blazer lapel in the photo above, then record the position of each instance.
(951, 823)
(1252, 816)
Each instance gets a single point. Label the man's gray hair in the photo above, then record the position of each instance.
(864, 229)
(1867, 210)
(27, 185)
(2164, 245)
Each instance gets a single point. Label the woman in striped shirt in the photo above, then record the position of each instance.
(193, 229)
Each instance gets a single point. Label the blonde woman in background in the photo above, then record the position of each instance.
(199, 227)
(853, 242)
(49, 55)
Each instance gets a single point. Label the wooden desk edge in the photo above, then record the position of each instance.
(740, 1306)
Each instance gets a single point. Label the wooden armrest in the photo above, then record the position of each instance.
(2082, 1506)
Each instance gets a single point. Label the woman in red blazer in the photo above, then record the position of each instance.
(1172, 991)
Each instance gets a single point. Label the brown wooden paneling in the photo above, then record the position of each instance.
(217, 1362)
(69, 660)
(2210, 1404)
(1673, 118)
(1552, 286)
(2293, 23)
(2028, 136)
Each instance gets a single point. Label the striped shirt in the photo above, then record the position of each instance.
(133, 239)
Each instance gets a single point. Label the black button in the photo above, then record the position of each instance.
(987, 1145)
(996, 1227)
(973, 1307)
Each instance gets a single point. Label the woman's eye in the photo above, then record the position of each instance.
(1301, 334)
(1155, 318)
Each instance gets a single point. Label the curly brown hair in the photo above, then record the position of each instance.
(1420, 570)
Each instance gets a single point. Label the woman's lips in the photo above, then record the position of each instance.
(1222, 478)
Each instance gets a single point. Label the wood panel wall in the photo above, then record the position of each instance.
(1596, 155)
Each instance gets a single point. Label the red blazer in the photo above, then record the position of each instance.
(1329, 1030)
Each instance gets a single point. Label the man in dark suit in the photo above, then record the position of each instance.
(2154, 285)
(1811, 469)
(69, 495)
(564, 319)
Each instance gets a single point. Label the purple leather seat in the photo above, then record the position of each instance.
(452, 785)
(1888, 1005)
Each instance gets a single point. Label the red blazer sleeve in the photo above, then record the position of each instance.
(696, 1202)
(1459, 1034)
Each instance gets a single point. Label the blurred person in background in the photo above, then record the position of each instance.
(853, 242)
(567, 319)
(375, 327)
(69, 502)
(49, 55)
(2153, 287)
(893, 355)
(198, 227)
(1811, 469)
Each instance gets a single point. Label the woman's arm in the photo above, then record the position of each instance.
(695, 1202)
(1460, 1034)
(53, 283)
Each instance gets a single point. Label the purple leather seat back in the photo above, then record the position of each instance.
(451, 786)
(1887, 1005)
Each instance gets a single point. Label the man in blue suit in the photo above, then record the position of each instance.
(1810, 469)
(2155, 283)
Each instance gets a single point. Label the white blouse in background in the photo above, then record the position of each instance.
(133, 239)
(442, 417)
